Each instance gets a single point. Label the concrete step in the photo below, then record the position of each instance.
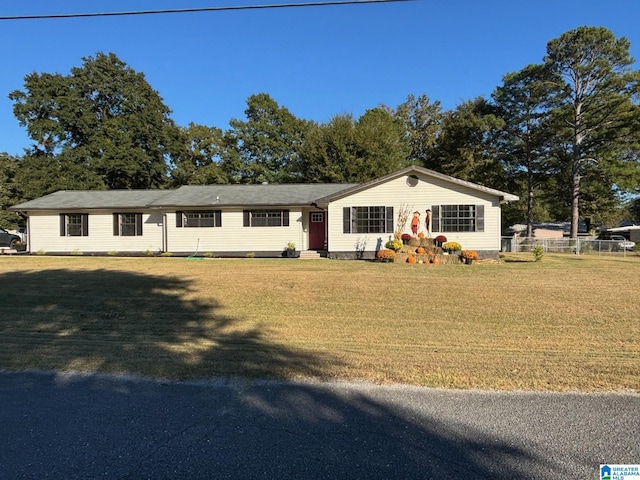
(309, 254)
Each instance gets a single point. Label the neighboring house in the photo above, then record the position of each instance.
(549, 229)
(630, 231)
(339, 220)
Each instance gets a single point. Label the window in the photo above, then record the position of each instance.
(457, 218)
(367, 219)
(266, 218)
(127, 224)
(74, 225)
(199, 218)
(317, 217)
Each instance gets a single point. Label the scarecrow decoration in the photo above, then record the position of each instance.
(415, 222)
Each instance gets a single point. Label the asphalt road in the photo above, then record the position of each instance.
(56, 426)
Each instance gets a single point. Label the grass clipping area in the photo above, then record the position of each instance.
(566, 323)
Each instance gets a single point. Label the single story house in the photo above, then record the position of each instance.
(336, 220)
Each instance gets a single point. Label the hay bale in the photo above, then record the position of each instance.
(427, 243)
(401, 257)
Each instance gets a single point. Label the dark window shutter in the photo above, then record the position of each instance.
(139, 224)
(218, 218)
(178, 219)
(354, 220)
(285, 218)
(85, 224)
(116, 224)
(435, 218)
(479, 218)
(389, 220)
(346, 220)
(63, 225)
(246, 218)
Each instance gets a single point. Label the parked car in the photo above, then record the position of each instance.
(621, 242)
(9, 239)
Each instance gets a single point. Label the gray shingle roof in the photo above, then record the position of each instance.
(248, 195)
(187, 196)
(92, 199)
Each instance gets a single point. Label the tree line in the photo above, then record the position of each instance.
(563, 134)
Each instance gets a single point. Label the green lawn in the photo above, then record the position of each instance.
(566, 323)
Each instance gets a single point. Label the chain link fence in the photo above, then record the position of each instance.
(578, 246)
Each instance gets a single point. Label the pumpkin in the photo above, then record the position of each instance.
(411, 259)
(429, 252)
(435, 260)
(421, 235)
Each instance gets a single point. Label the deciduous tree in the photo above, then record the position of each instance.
(103, 117)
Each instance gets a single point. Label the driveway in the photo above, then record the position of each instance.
(57, 426)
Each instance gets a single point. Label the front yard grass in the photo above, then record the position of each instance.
(565, 323)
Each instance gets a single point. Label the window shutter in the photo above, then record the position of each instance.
(285, 218)
(218, 218)
(246, 218)
(85, 224)
(63, 225)
(139, 224)
(354, 220)
(389, 219)
(435, 218)
(479, 218)
(346, 220)
(178, 219)
(116, 224)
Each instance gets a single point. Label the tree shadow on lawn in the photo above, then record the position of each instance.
(123, 322)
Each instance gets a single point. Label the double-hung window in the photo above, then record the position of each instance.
(457, 218)
(377, 219)
(199, 218)
(74, 225)
(266, 218)
(127, 224)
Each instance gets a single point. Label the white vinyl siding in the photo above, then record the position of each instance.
(45, 235)
(233, 236)
(425, 193)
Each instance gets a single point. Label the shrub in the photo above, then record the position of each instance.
(440, 239)
(538, 253)
(405, 237)
(112, 253)
(251, 255)
(166, 254)
(386, 254)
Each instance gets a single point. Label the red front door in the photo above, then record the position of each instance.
(317, 229)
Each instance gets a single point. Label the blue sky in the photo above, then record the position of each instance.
(316, 61)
